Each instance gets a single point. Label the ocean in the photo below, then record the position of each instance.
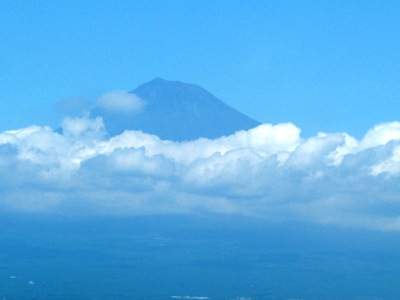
(193, 257)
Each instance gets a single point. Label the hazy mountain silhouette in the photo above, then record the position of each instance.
(177, 111)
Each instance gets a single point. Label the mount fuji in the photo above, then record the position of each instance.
(176, 111)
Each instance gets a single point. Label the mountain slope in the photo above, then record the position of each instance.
(177, 111)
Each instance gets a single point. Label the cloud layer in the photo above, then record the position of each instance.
(268, 171)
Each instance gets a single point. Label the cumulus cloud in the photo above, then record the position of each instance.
(121, 101)
(268, 171)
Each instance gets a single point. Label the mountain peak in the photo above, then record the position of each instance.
(157, 80)
(162, 81)
(178, 111)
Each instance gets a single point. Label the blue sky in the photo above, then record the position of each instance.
(322, 77)
(324, 66)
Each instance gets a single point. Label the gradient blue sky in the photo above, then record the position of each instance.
(325, 66)
(311, 66)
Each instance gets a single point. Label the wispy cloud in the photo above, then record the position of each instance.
(121, 101)
(268, 171)
(73, 105)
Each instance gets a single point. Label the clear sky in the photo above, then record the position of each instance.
(329, 66)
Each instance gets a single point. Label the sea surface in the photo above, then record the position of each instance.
(193, 257)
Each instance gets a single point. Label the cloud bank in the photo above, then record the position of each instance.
(268, 172)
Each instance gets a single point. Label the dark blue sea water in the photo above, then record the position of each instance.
(219, 257)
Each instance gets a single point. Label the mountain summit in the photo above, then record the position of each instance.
(176, 111)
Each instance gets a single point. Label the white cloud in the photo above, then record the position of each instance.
(83, 128)
(380, 135)
(268, 171)
(121, 101)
